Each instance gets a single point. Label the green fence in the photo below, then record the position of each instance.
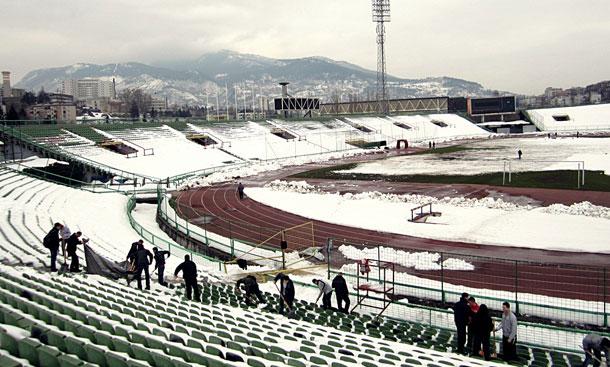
(173, 248)
(430, 313)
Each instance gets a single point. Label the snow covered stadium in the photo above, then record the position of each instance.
(465, 216)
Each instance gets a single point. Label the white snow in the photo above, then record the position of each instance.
(422, 260)
(485, 221)
(539, 154)
(581, 118)
(168, 159)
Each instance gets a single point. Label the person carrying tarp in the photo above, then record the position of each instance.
(286, 290)
(143, 259)
(251, 289)
(594, 345)
(326, 291)
(71, 246)
(189, 273)
(131, 255)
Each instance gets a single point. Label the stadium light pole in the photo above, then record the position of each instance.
(381, 15)
(227, 100)
(217, 105)
(235, 95)
(207, 102)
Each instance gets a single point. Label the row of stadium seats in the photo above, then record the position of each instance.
(394, 330)
(142, 325)
(253, 332)
(109, 325)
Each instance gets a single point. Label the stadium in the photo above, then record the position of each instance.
(412, 208)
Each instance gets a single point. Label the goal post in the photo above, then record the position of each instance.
(514, 166)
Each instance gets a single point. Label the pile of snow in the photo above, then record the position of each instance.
(303, 187)
(583, 208)
(482, 221)
(417, 260)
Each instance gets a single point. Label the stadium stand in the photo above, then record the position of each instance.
(581, 118)
(85, 320)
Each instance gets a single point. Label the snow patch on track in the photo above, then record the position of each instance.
(417, 260)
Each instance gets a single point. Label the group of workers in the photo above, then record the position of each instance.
(473, 321)
(248, 285)
(58, 237)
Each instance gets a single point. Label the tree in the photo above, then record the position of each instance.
(43, 97)
(12, 114)
(137, 96)
(134, 111)
(29, 98)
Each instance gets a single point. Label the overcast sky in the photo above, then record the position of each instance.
(519, 45)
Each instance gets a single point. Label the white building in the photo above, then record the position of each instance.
(84, 89)
(159, 104)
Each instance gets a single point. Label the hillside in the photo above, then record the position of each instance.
(185, 81)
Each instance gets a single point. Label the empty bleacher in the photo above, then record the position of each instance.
(80, 320)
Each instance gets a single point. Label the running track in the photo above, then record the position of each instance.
(550, 273)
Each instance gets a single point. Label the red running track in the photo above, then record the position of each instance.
(551, 273)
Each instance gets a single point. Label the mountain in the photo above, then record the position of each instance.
(186, 81)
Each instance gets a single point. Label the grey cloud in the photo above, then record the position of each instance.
(518, 45)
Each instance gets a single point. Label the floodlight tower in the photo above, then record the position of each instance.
(381, 15)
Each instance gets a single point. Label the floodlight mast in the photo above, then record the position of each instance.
(381, 15)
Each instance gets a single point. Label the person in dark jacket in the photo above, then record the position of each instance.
(594, 345)
(160, 264)
(71, 244)
(460, 316)
(341, 292)
(286, 293)
(240, 191)
(189, 273)
(251, 288)
(143, 259)
(482, 326)
(52, 242)
(131, 255)
(473, 309)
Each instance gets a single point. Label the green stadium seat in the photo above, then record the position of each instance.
(68, 360)
(49, 356)
(28, 350)
(115, 359)
(96, 355)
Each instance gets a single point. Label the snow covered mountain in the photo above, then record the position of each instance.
(185, 81)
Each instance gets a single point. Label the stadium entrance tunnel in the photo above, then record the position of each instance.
(400, 142)
(202, 139)
(282, 134)
(118, 147)
(60, 172)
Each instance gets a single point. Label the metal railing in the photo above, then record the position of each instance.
(577, 295)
